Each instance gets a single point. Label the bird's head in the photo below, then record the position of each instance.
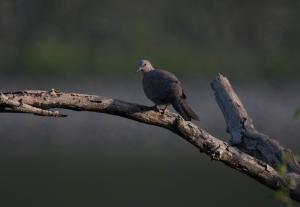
(145, 66)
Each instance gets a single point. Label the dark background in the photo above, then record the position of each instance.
(89, 46)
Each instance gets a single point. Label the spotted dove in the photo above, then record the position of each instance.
(163, 88)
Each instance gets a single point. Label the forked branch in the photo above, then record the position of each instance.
(252, 153)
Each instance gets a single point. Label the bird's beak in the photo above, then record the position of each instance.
(139, 69)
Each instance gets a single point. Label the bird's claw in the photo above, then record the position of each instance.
(162, 111)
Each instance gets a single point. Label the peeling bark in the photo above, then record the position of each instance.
(252, 153)
(243, 133)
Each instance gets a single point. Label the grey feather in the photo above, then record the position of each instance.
(181, 106)
(163, 88)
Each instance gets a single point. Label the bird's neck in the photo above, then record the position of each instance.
(149, 69)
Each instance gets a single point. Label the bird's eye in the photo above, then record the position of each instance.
(144, 64)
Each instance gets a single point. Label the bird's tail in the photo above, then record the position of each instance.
(181, 106)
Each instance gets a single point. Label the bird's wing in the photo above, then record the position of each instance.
(167, 75)
(172, 83)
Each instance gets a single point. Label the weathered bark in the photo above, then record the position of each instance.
(258, 161)
(245, 137)
(243, 133)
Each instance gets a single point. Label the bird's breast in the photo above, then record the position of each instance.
(156, 89)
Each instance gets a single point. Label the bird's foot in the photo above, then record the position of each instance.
(164, 109)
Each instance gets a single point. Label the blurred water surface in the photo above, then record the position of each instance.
(93, 159)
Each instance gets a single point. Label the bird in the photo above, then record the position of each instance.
(164, 89)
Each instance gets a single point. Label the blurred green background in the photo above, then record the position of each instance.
(93, 47)
(193, 37)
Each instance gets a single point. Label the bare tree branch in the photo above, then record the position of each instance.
(246, 138)
(258, 162)
(243, 133)
(19, 106)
